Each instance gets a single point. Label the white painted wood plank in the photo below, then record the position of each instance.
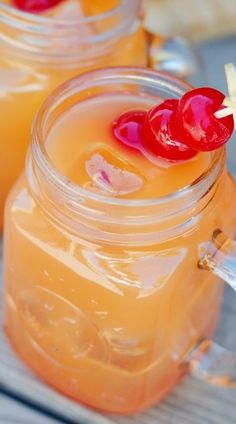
(13, 412)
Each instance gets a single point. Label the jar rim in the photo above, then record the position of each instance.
(61, 41)
(72, 190)
(44, 26)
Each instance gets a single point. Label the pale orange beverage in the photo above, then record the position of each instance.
(38, 52)
(104, 297)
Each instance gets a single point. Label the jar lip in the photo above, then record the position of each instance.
(32, 19)
(74, 191)
(68, 42)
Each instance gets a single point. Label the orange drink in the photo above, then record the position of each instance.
(39, 51)
(104, 295)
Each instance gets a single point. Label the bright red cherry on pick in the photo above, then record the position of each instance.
(35, 6)
(159, 135)
(198, 127)
(127, 128)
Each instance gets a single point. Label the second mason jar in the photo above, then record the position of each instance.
(38, 53)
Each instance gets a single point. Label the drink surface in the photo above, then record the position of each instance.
(91, 151)
(27, 79)
(109, 324)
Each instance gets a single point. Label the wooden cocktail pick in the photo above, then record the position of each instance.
(229, 101)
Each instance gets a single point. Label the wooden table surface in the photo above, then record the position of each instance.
(25, 400)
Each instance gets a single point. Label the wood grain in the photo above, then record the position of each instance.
(12, 412)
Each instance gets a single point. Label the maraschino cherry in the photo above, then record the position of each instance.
(35, 6)
(159, 133)
(127, 128)
(197, 124)
(177, 129)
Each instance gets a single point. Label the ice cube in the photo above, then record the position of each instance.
(111, 179)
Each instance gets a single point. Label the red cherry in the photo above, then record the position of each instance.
(35, 6)
(127, 128)
(159, 133)
(198, 127)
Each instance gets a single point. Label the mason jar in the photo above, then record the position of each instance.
(112, 300)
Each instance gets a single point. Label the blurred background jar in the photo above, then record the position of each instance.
(184, 25)
(39, 51)
(196, 20)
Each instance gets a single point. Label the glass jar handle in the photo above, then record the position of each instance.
(175, 55)
(208, 360)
